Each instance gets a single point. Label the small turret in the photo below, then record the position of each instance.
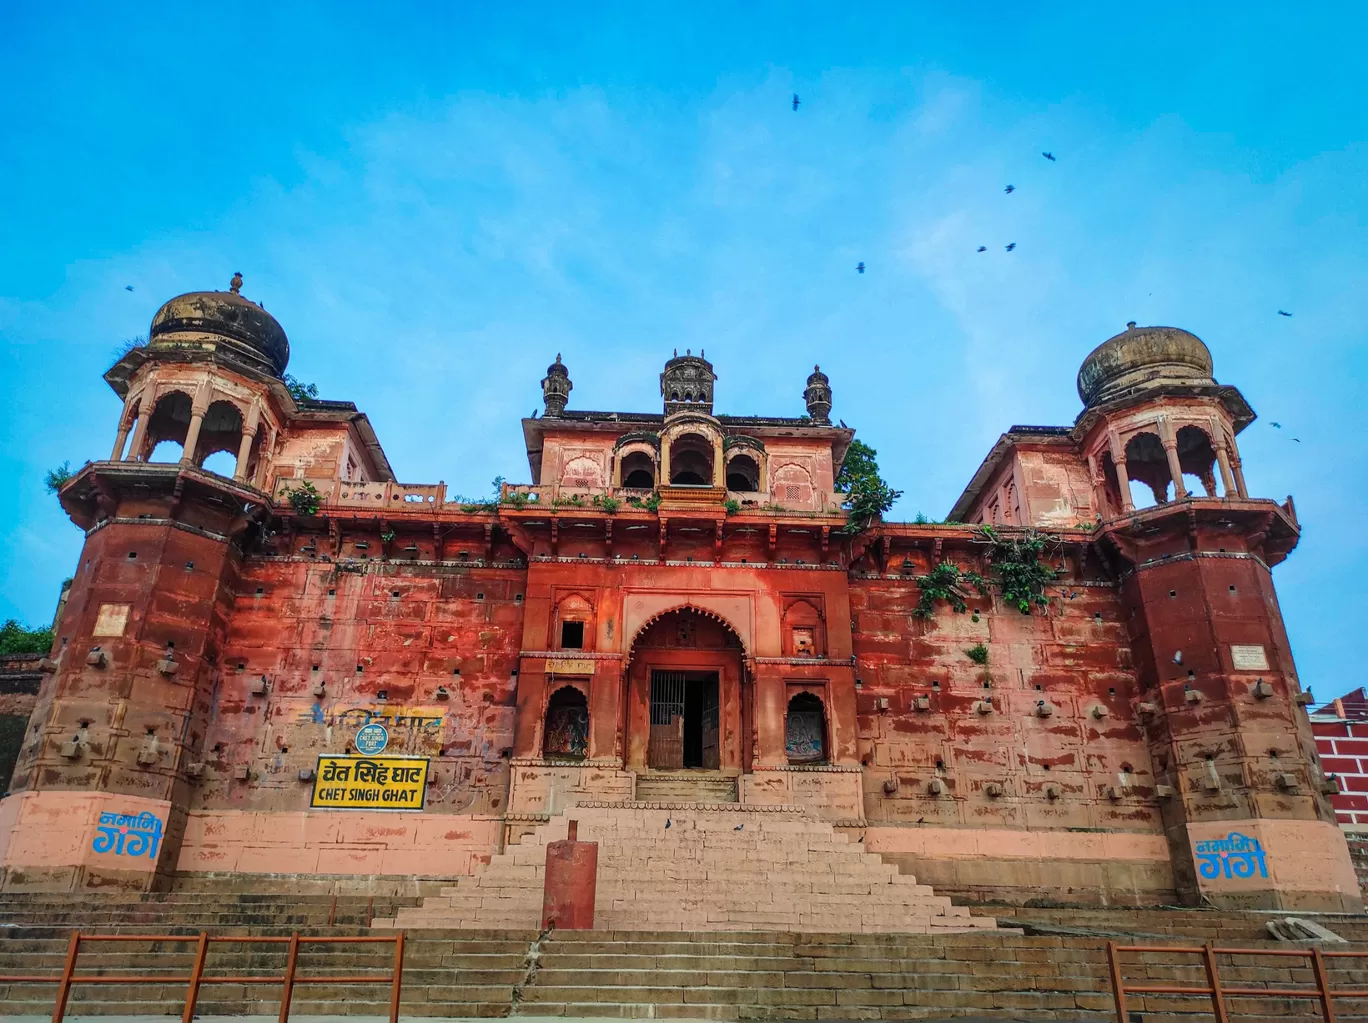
(556, 387)
(687, 384)
(818, 397)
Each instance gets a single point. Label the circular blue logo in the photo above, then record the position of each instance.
(371, 739)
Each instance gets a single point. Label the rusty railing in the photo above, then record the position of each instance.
(1217, 992)
(197, 977)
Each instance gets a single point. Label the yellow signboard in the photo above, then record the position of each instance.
(369, 783)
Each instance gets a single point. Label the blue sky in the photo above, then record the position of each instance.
(436, 199)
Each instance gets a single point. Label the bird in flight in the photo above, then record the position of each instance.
(1276, 426)
(796, 101)
(983, 248)
(1049, 156)
(128, 287)
(1281, 312)
(860, 267)
(1010, 189)
(1011, 246)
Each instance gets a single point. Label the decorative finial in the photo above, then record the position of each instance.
(558, 362)
(700, 353)
(676, 353)
(688, 351)
(235, 285)
(1130, 324)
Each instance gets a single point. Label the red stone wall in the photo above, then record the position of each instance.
(1070, 656)
(360, 630)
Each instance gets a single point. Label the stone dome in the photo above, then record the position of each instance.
(1141, 359)
(223, 319)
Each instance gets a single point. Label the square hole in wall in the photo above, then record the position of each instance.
(1173, 593)
(132, 555)
(394, 593)
(360, 668)
(260, 590)
(517, 598)
(382, 694)
(190, 567)
(1232, 589)
(479, 596)
(332, 593)
(572, 635)
(935, 685)
(940, 765)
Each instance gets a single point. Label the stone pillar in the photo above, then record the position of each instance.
(245, 448)
(1175, 470)
(770, 717)
(719, 466)
(1239, 476)
(192, 437)
(135, 450)
(1127, 505)
(117, 454)
(664, 479)
(1227, 479)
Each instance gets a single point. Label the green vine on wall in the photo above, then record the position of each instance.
(947, 582)
(1019, 573)
(304, 499)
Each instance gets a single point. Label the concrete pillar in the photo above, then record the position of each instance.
(1175, 470)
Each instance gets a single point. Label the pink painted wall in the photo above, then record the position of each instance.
(337, 842)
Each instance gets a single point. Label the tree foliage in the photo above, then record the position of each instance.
(15, 639)
(867, 495)
(304, 499)
(300, 391)
(56, 478)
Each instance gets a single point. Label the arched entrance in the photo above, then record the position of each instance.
(687, 695)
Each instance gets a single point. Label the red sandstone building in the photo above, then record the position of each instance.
(670, 614)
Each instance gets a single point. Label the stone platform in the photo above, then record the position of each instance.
(701, 867)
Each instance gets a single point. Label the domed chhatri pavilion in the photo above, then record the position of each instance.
(672, 618)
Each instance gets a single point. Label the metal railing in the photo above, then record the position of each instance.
(1217, 992)
(198, 979)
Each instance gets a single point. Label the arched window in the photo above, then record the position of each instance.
(1197, 459)
(691, 461)
(1147, 464)
(566, 736)
(166, 428)
(220, 432)
(638, 471)
(743, 474)
(805, 730)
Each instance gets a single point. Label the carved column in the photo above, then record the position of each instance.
(248, 436)
(135, 449)
(1122, 478)
(117, 454)
(1227, 478)
(1239, 476)
(1175, 470)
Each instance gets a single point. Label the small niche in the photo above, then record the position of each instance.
(479, 596)
(1173, 593)
(189, 566)
(132, 555)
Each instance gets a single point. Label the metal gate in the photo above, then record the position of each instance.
(666, 749)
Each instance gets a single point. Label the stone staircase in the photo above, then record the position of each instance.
(736, 975)
(685, 787)
(702, 868)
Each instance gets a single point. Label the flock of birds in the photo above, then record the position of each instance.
(1011, 246)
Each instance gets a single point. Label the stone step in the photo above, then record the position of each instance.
(685, 787)
(784, 873)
